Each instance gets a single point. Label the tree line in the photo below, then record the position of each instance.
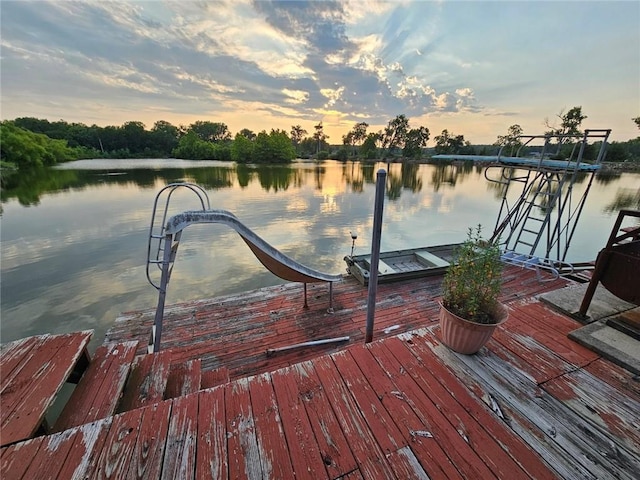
(28, 142)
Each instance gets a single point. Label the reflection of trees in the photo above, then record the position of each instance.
(244, 175)
(318, 175)
(625, 198)
(278, 177)
(356, 174)
(410, 179)
(607, 177)
(394, 186)
(450, 174)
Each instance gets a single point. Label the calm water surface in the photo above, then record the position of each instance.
(74, 241)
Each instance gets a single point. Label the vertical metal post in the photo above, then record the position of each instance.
(375, 252)
(162, 291)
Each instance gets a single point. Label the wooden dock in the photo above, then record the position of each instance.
(532, 404)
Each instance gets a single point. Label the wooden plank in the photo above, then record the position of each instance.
(16, 459)
(98, 392)
(115, 457)
(378, 419)
(52, 455)
(31, 391)
(244, 457)
(272, 443)
(362, 441)
(405, 464)
(304, 451)
(86, 449)
(607, 409)
(213, 378)
(493, 435)
(147, 455)
(334, 446)
(147, 381)
(211, 449)
(564, 440)
(447, 435)
(415, 429)
(14, 354)
(180, 451)
(616, 376)
(184, 378)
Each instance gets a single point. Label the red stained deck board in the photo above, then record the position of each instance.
(179, 459)
(146, 458)
(272, 443)
(98, 391)
(211, 450)
(147, 381)
(443, 382)
(184, 378)
(362, 441)
(334, 446)
(433, 459)
(86, 449)
(304, 452)
(244, 457)
(16, 459)
(213, 378)
(57, 447)
(520, 321)
(436, 423)
(616, 376)
(14, 354)
(378, 419)
(36, 381)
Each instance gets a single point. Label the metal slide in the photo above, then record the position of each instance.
(164, 239)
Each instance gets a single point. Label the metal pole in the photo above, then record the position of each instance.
(375, 252)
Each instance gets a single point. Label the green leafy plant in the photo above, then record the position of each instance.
(472, 284)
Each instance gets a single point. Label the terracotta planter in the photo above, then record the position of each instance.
(467, 337)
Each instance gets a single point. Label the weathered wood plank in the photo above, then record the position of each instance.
(616, 376)
(180, 450)
(614, 413)
(211, 450)
(272, 442)
(14, 354)
(405, 464)
(378, 419)
(97, 394)
(147, 381)
(304, 451)
(34, 387)
(564, 440)
(437, 425)
(244, 456)
(184, 378)
(362, 442)
(334, 446)
(85, 450)
(415, 430)
(441, 382)
(16, 459)
(147, 455)
(213, 378)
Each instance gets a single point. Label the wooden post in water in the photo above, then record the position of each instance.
(375, 252)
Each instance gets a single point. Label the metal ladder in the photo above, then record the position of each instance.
(157, 239)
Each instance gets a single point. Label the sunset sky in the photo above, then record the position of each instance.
(474, 68)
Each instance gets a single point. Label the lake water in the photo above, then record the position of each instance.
(74, 240)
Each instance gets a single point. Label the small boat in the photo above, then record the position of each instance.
(403, 264)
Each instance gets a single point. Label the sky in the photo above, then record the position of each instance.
(474, 68)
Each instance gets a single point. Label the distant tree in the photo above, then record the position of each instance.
(636, 121)
(447, 143)
(164, 136)
(319, 136)
(415, 140)
(245, 132)
(356, 135)
(211, 131)
(26, 149)
(511, 141)
(275, 147)
(242, 149)
(369, 148)
(569, 123)
(395, 134)
(297, 134)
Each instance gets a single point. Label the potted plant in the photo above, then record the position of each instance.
(470, 310)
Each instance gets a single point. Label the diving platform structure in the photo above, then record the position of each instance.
(540, 207)
(165, 234)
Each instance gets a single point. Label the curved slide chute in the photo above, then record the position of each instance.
(275, 261)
